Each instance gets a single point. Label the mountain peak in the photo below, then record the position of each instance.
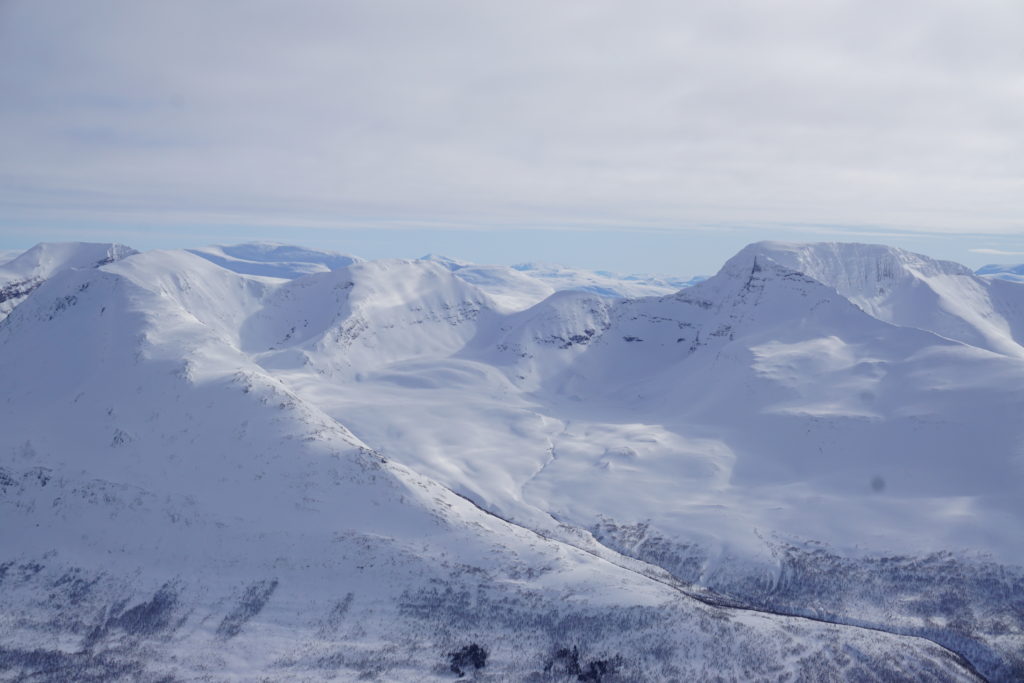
(446, 261)
(272, 259)
(47, 258)
(869, 275)
(900, 287)
(1009, 272)
(21, 275)
(847, 265)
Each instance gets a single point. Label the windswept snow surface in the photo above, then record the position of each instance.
(364, 471)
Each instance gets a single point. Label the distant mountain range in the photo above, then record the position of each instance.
(512, 287)
(266, 461)
(1011, 273)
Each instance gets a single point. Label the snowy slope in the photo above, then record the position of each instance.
(754, 411)
(891, 393)
(780, 362)
(194, 518)
(271, 476)
(781, 390)
(26, 271)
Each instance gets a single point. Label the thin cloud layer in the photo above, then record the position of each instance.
(657, 115)
(997, 252)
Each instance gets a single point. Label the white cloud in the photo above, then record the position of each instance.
(996, 252)
(905, 116)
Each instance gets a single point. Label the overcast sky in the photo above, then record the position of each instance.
(632, 135)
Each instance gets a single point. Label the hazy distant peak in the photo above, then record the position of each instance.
(605, 283)
(1010, 273)
(274, 252)
(446, 261)
(9, 255)
(272, 259)
(997, 269)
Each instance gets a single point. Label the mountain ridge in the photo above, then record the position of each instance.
(610, 450)
(24, 272)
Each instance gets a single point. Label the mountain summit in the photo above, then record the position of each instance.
(23, 273)
(908, 289)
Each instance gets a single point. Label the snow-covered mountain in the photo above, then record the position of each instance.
(271, 259)
(913, 290)
(365, 316)
(22, 273)
(1012, 273)
(520, 286)
(510, 288)
(603, 282)
(808, 465)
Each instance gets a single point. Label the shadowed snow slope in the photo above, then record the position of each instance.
(373, 472)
